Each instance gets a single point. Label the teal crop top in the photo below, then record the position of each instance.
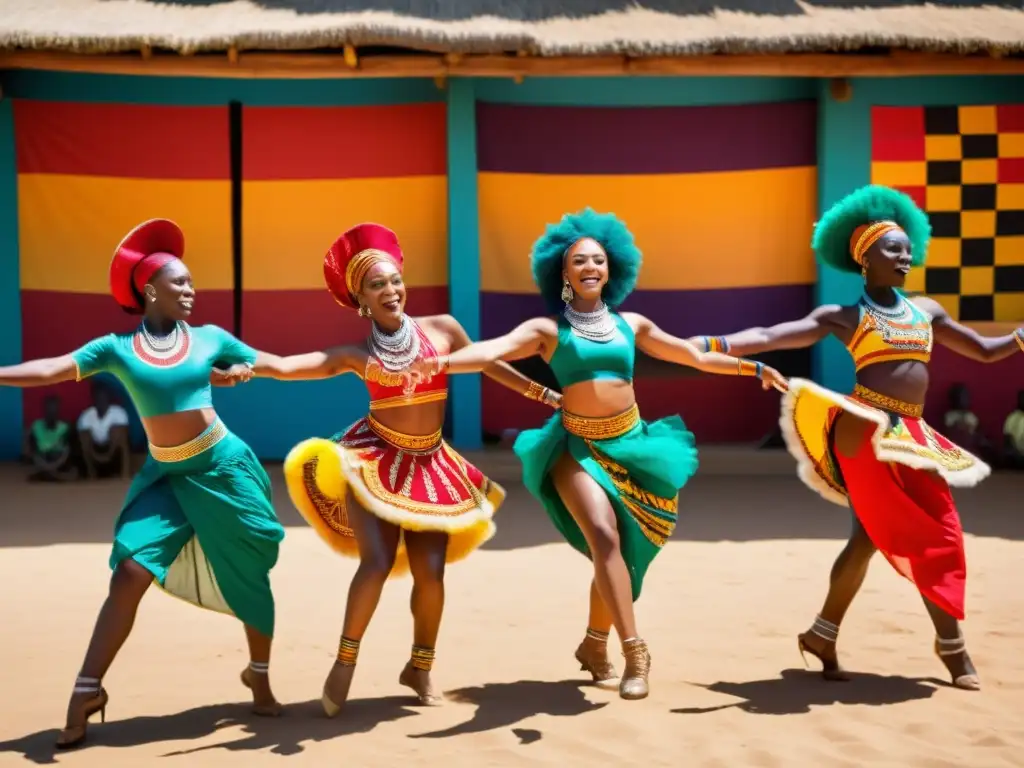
(576, 359)
(157, 390)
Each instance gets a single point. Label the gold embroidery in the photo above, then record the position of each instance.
(332, 511)
(400, 401)
(887, 403)
(412, 443)
(192, 448)
(598, 428)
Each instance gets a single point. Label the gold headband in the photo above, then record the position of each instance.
(360, 265)
(870, 236)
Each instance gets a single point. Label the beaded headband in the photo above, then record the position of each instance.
(867, 235)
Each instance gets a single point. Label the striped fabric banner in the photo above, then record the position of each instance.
(721, 200)
(87, 174)
(309, 174)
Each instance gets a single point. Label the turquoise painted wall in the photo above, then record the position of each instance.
(10, 284)
(844, 164)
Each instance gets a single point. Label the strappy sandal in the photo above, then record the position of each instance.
(829, 632)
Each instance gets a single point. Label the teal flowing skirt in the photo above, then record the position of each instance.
(205, 527)
(640, 471)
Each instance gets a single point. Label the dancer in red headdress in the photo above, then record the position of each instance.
(198, 517)
(388, 489)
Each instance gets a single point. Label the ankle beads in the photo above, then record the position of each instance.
(824, 629)
(422, 658)
(348, 651)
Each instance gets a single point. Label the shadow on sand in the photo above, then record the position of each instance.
(299, 723)
(796, 691)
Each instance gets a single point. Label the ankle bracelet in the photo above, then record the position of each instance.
(86, 684)
(348, 651)
(422, 657)
(260, 667)
(825, 629)
(597, 636)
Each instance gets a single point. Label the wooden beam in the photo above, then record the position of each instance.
(329, 66)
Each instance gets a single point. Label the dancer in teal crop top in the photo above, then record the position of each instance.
(577, 359)
(609, 482)
(156, 387)
(198, 518)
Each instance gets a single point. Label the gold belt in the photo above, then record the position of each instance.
(204, 442)
(421, 443)
(887, 403)
(601, 427)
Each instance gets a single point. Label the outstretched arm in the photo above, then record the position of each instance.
(664, 346)
(796, 334)
(39, 373)
(304, 367)
(525, 340)
(967, 341)
(500, 371)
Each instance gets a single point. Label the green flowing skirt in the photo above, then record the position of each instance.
(205, 527)
(640, 471)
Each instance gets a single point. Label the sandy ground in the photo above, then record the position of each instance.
(722, 605)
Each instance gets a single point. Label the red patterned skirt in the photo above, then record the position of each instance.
(416, 482)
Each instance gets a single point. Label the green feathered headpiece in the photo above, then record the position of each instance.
(548, 255)
(831, 240)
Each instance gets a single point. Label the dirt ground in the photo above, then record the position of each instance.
(746, 571)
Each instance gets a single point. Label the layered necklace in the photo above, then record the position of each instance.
(598, 325)
(396, 351)
(898, 324)
(162, 351)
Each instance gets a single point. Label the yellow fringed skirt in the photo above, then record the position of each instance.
(416, 482)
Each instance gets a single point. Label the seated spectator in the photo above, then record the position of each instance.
(1013, 436)
(103, 434)
(961, 424)
(48, 444)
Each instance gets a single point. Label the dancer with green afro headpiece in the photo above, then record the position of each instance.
(608, 480)
(871, 449)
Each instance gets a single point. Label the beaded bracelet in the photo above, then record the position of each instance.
(715, 344)
(749, 367)
(1019, 336)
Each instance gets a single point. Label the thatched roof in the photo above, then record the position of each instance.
(540, 27)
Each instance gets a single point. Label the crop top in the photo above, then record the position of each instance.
(385, 387)
(901, 333)
(160, 388)
(577, 359)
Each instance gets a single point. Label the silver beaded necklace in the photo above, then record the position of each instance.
(161, 345)
(396, 351)
(598, 325)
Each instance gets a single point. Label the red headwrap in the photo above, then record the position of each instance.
(139, 256)
(350, 257)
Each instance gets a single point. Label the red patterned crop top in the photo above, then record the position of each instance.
(385, 387)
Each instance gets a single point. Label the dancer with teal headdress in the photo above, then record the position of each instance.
(198, 517)
(608, 479)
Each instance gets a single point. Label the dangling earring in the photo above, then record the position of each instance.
(864, 269)
(364, 311)
(567, 294)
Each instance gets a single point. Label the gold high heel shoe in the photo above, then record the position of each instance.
(422, 660)
(829, 632)
(72, 737)
(259, 668)
(593, 658)
(954, 647)
(634, 684)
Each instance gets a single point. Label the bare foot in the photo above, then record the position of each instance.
(825, 652)
(419, 680)
(336, 688)
(593, 658)
(263, 702)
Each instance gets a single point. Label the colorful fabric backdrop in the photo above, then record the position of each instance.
(721, 200)
(309, 174)
(87, 174)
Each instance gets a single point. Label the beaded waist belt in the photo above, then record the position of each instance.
(402, 441)
(401, 401)
(204, 442)
(601, 427)
(887, 403)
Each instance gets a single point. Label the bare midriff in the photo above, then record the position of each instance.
(905, 380)
(598, 398)
(170, 430)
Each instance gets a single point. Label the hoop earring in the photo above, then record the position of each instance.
(364, 311)
(567, 293)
